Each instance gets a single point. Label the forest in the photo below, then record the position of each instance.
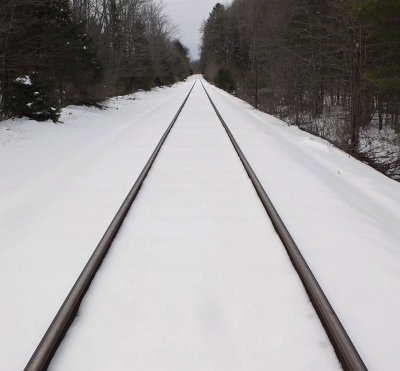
(60, 52)
(331, 67)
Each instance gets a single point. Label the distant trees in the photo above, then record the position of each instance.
(58, 52)
(224, 80)
(381, 22)
(311, 60)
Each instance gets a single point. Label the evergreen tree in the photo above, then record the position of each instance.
(382, 20)
(181, 61)
(214, 38)
(30, 97)
(224, 80)
(46, 45)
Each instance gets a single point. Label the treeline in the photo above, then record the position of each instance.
(310, 62)
(59, 52)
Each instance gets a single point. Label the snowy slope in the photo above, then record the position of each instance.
(61, 185)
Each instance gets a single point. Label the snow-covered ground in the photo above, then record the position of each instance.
(207, 293)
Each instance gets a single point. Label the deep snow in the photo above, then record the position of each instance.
(62, 184)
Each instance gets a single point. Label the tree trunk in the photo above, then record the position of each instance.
(256, 85)
(380, 112)
(358, 109)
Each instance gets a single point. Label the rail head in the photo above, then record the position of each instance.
(340, 340)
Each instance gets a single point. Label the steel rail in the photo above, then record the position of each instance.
(342, 344)
(63, 319)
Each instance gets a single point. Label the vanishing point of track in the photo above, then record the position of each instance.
(344, 348)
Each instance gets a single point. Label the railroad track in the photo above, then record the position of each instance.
(344, 348)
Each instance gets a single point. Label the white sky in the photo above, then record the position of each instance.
(188, 15)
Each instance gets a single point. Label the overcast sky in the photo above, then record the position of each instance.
(188, 15)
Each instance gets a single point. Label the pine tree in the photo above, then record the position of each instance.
(382, 21)
(46, 45)
(214, 40)
(30, 97)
